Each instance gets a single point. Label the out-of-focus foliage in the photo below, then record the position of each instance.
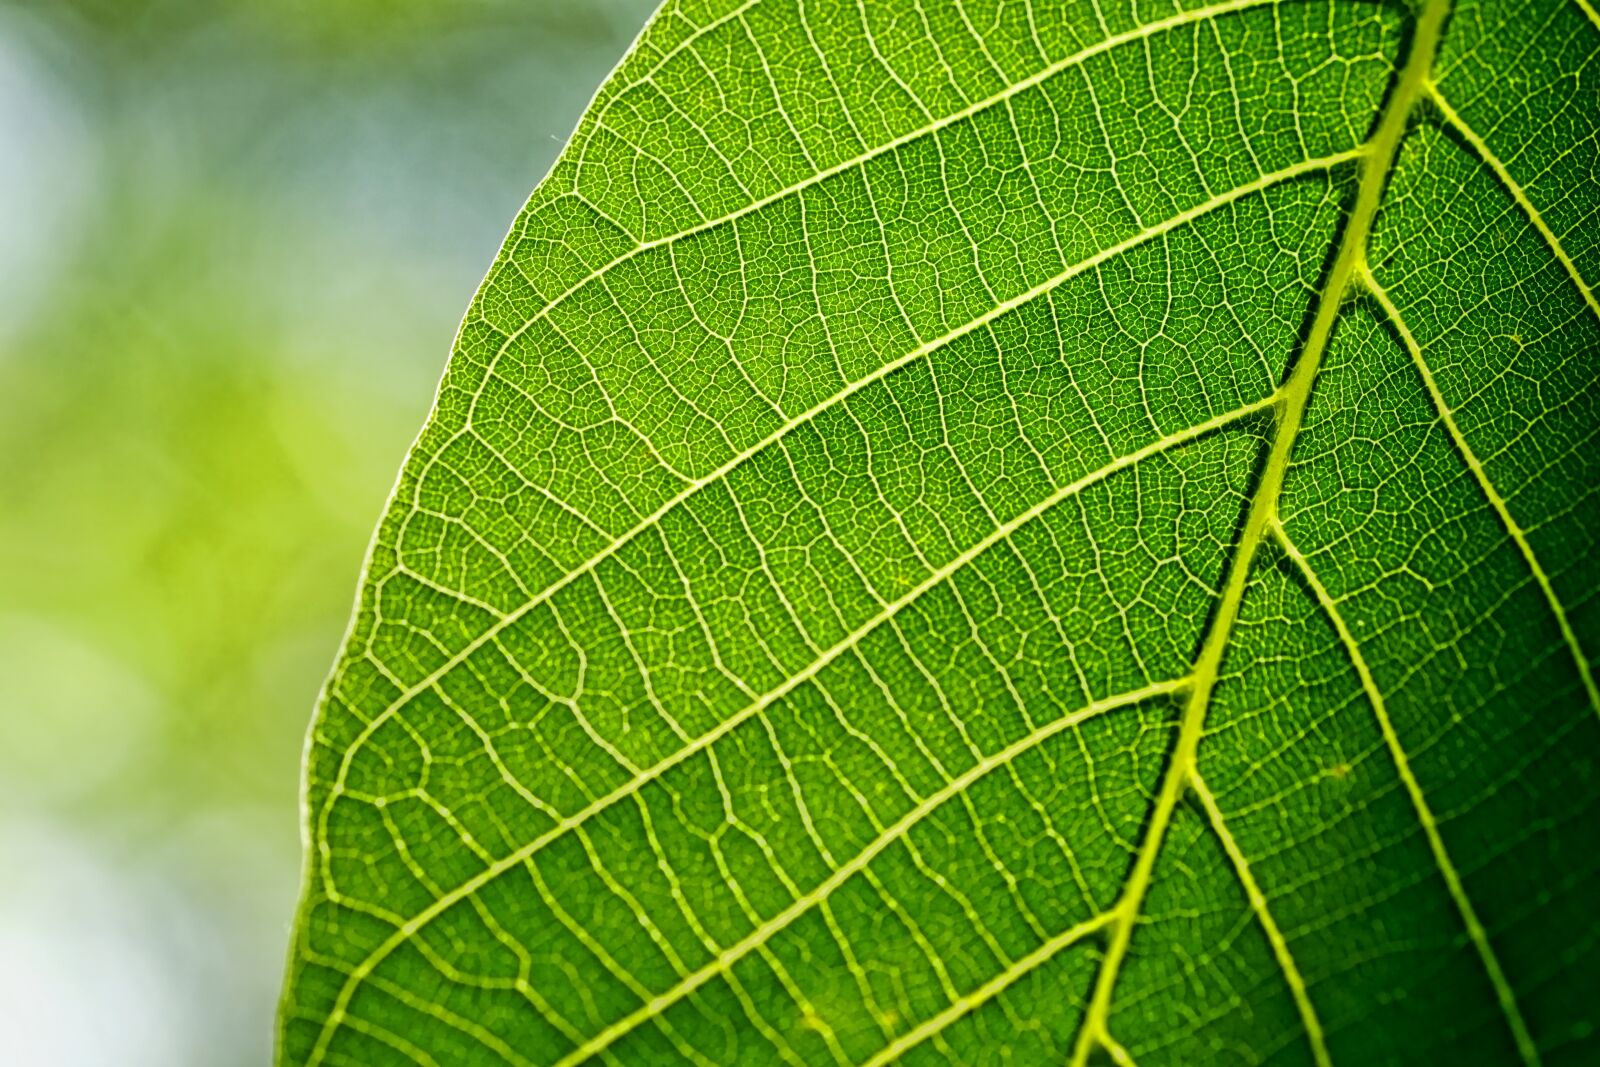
(234, 244)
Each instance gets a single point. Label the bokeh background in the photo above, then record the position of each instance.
(236, 238)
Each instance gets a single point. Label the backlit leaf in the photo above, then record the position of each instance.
(999, 532)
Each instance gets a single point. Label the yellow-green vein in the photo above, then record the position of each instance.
(1496, 501)
(1269, 925)
(1487, 156)
(1430, 826)
(1377, 160)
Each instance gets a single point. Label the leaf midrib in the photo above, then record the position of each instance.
(1349, 266)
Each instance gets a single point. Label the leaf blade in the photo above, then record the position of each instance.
(631, 542)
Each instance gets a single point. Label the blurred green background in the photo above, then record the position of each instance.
(235, 242)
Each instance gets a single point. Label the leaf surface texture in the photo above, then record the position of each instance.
(999, 533)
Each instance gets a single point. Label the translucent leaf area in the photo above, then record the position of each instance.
(995, 532)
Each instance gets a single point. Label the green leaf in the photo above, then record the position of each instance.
(999, 533)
